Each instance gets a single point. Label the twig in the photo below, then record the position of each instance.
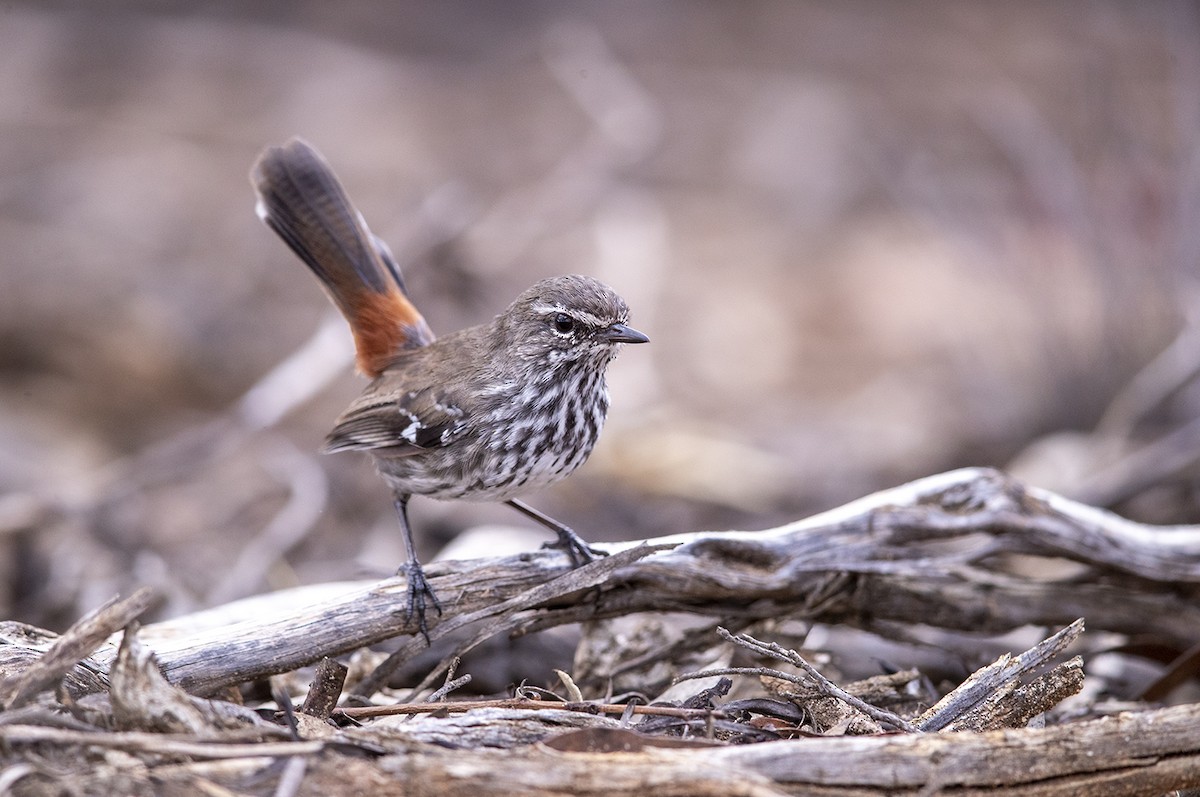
(1145, 466)
(1185, 667)
(450, 686)
(279, 694)
(1165, 374)
(451, 683)
(823, 684)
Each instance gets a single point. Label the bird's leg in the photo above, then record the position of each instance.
(579, 551)
(419, 590)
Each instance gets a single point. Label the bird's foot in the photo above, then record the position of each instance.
(420, 595)
(573, 545)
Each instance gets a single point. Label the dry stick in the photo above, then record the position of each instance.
(326, 688)
(282, 699)
(1168, 372)
(1014, 704)
(451, 683)
(823, 684)
(573, 581)
(1146, 465)
(986, 680)
(77, 643)
(370, 712)
(449, 686)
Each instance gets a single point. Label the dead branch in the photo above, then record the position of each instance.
(985, 682)
(936, 551)
(283, 633)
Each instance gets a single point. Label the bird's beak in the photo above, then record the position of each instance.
(619, 333)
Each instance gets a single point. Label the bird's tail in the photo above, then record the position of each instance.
(301, 199)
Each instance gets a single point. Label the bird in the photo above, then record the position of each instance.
(486, 413)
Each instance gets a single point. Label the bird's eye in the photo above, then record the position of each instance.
(564, 324)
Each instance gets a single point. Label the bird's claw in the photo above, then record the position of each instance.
(420, 594)
(578, 551)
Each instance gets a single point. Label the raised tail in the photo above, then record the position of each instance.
(300, 198)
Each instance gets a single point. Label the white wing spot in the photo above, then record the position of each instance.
(409, 432)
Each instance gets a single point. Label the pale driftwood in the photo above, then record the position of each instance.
(932, 552)
(22, 648)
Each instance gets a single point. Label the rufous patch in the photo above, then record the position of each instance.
(383, 325)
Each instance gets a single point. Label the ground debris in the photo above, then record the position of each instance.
(756, 715)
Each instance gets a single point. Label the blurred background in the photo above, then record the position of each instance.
(869, 242)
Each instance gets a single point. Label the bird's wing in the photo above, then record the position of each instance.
(398, 425)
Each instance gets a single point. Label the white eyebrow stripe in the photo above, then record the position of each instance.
(580, 315)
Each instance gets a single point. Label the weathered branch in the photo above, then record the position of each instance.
(986, 681)
(934, 551)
